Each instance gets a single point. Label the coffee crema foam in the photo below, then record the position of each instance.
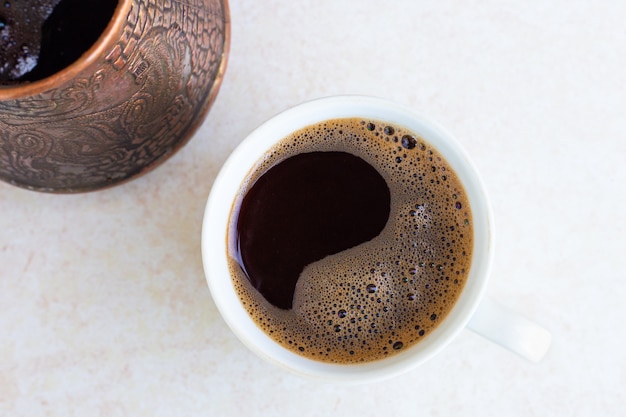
(385, 295)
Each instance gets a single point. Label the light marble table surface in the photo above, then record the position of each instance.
(104, 308)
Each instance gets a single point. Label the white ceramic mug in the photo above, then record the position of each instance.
(472, 310)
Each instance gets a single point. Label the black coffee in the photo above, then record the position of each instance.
(41, 37)
(351, 240)
(307, 207)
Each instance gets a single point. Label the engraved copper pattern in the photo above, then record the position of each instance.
(124, 115)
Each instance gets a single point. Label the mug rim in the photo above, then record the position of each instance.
(223, 196)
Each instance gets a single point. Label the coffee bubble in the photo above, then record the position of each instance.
(409, 142)
(389, 130)
(379, 298)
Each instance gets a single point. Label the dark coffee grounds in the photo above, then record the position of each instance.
(41, 37)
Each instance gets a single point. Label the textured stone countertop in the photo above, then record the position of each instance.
(104, 308)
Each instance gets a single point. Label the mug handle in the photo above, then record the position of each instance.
(510, 330)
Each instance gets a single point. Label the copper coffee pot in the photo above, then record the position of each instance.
(127, 104)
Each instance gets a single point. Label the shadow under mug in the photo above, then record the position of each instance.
(122, 107)
(472, 310)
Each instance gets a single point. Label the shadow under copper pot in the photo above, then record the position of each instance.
(127, 104)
